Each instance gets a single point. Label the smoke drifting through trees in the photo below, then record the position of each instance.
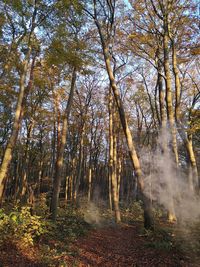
(167, 185)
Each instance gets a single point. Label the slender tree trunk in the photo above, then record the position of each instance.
(16, 126)
(90, 166)
(24, 181)
(161, 94)
(169, 103)
(71, 186)
(177, 82)
(148, 220)
(60, 152)
(193, 172)
(17, 177)
(186, 138)
(110, 192)
(89, 182)
(41, 164)
(53, 149)
(80, 163)
(67, 187)
(111, 145)
(193, 164)
(113, 158)
(115, 167)
(119, 172)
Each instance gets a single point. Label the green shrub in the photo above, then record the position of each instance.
(158, 213)
(41, 208)
(70, 223)
(20, 225)
(134, 212)
(160, 238)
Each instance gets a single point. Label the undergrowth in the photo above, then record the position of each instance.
(21, 226)
(160, 238)
(188, 239)
(21, 229)
(18, 225)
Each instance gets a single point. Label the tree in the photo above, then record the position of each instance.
(105, 41)
(18, 112)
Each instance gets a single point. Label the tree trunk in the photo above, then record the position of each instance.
(113, 159)
(90, 167)
(161, 94)
(89, 182)
(177, 82)
(119, 172)
(16, 126)
(170, 113)
(80, 163)
(41, 164)
(148, 220)
(186, 138)
(66, 187)
(60, 152)
(169, 103)
(24, 181)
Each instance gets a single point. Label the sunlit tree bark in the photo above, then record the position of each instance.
(148, 222)
(168, 83)
(113, 159)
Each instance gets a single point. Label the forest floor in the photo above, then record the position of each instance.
(106, 245)
(124, 246)
(130, 245)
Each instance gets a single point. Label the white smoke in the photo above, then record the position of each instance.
(92, 214)
(168, 185)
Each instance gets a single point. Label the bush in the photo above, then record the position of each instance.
(21, 226)
(41, 208)
(70, 223)
(134, 212)
(159, 239)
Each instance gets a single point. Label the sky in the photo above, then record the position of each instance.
(127, 3)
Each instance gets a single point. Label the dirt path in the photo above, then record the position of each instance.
(124, 247)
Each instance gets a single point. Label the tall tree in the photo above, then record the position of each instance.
(18, 112)
(105, 35)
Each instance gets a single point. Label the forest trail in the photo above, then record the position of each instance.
(117, 246)
(124, 246)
